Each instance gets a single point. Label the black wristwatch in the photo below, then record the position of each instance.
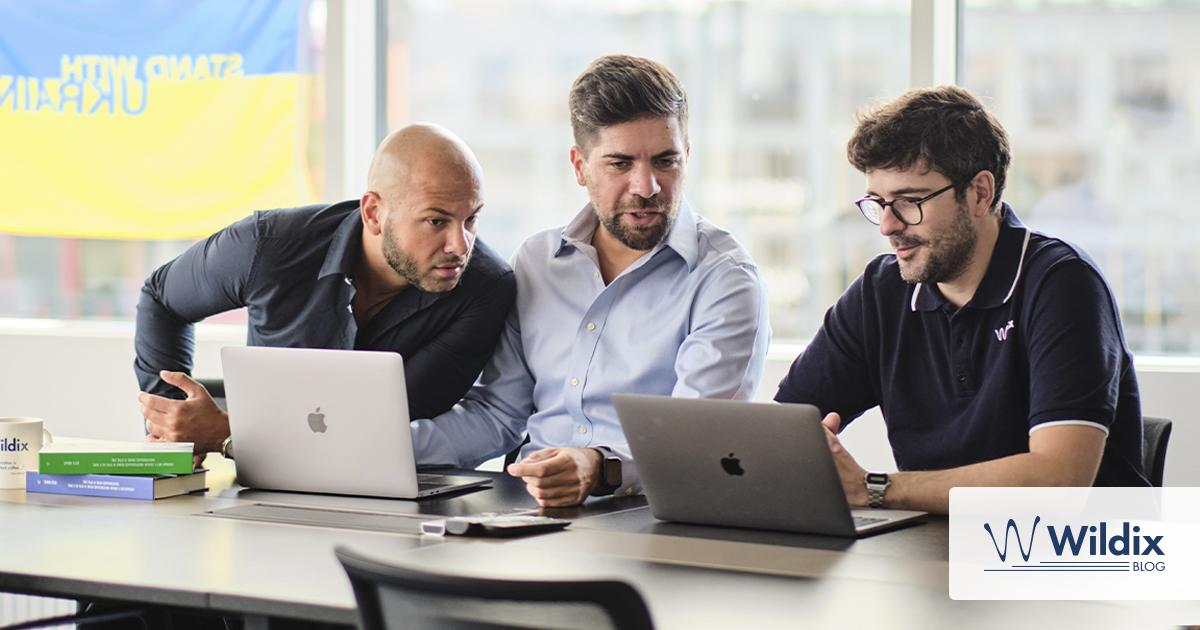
(610, 472)
(877, 485)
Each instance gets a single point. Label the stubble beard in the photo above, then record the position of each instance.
(947, 256)
(406, 265)
(637, 237)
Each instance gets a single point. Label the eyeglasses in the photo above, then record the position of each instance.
(906, 209)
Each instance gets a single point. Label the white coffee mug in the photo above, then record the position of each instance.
(20, 441)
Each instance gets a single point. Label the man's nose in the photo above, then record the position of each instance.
(888, 223)
(459, 241)
(644, 182)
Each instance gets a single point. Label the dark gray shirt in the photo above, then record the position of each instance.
(292, 269)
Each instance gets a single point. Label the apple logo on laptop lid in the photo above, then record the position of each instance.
(316, 421)
(732, 465)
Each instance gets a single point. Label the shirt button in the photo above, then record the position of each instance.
(574, 381)
(591, 326)
(350, 307)
(349, 281)
(597, 274)
(628, 490)
(583, 429)
(962, 378)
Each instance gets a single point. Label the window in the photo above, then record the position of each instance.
(120, 150)
(772, 86)
(1098, 100)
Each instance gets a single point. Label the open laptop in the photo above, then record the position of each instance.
(741, 464)
(328, 421)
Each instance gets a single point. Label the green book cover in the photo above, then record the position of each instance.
(122, 458)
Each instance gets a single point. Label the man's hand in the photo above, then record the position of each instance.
(850, 472)
(196, 419)
(559, 476)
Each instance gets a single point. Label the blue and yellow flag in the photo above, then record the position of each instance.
(149, 119)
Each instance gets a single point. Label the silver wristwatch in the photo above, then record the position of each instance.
(227, 448)
(877, 485)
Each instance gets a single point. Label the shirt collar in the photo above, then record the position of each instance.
(682, 239)
(344, 247)
(1003, 273)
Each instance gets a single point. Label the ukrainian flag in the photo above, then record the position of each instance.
(133, 119)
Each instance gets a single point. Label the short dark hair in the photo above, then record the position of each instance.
(945, 128)
(619, 88)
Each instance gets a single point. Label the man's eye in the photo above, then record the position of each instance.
(619, 164)
(437, 222)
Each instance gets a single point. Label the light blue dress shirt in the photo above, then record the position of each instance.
(687, 319)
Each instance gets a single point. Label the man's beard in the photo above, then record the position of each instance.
(408, 268)
(637, 237)
(947, 256)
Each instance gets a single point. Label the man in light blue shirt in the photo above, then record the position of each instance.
(637, 294)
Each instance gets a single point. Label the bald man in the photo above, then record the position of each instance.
(398, 270)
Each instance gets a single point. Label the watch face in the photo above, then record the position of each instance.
(877, 478)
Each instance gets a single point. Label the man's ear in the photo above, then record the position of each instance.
(980, 193)
(372, 213)
(579, 162)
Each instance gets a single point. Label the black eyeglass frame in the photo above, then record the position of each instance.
(878, 218)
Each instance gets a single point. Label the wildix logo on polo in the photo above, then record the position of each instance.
(1082, 547)
(13, 445)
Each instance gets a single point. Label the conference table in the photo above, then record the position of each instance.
(267, 558)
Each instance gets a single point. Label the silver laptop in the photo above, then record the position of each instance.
(741, 464)
(328, 421)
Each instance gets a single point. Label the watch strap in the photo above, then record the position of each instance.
(610, 471)
(877, 484)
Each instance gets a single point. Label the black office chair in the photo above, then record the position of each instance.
(511, 457)
(216, 389)
(1156, 432)
(393, 597)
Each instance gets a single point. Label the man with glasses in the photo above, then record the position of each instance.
(995, 353)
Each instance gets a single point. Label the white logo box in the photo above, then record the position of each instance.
(1150, 549)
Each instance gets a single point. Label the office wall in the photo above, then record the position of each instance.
(79, 378)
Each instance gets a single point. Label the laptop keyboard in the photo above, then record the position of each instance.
(863, 521)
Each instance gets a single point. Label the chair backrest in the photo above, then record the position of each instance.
(216, 389)
(1156, 432)
(392, 597)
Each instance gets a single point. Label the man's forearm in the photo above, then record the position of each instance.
(1058, 456)
(929, 491)
(161, 342)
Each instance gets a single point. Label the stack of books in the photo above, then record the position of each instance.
(128, 470)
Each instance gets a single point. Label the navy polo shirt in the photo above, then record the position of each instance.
(1040, 343)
